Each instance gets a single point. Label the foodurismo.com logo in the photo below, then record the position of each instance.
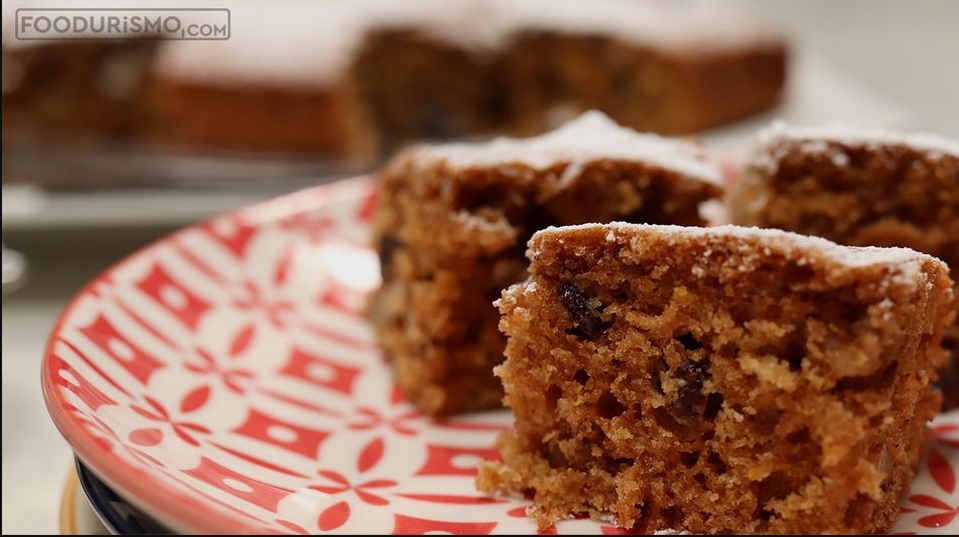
(199, 24)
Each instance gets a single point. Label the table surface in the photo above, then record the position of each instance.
(905, 52)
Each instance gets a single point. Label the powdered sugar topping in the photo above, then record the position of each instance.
(591, 136)
(669, 27)
(294, 42)
(906, 263)
(310, 43)
(778, 137)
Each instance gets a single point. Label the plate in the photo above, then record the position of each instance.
(115, 514)
(75, 514)
(224, 380)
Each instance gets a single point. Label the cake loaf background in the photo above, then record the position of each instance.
(355, 79)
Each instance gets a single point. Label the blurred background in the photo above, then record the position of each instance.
(70, 213)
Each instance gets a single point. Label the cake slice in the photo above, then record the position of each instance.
(718, 380)
(671, 68)
(74, 94)
(276, 87)
(453, 220)
(862, 187)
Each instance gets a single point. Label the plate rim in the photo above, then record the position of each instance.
(163, 502)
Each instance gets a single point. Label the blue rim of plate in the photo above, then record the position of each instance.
(119, 516)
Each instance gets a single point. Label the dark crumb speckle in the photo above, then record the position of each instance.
(690, 397)
(586, 323)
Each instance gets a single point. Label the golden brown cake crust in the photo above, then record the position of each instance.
(718, 380)
(451, 234)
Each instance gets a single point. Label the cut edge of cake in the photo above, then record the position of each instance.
(898, 272)
(451, 231)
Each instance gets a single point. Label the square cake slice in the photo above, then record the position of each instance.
(452, 223)
(653, 68)
(861, 187)
(718, 380)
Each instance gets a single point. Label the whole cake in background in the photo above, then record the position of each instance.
(724, 380)
(452, 223)
(858, 186)
(356, 79)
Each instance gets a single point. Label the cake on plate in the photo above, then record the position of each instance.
(718, 380)
(858, 186)
(452, 223)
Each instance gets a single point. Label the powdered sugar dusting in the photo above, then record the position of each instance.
(269, 45)
(776, 138)
(669, 27)
(715, 212)
(591, 136)
(906, 263)
(312, 43)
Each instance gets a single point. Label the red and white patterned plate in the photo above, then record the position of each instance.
(225, 381)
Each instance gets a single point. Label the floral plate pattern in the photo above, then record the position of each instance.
(224, 380)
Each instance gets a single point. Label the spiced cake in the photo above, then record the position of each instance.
(452, 223)
(79, 93)
(275, 87)
(858, 186)
(354, 80)
(718, 380)
(678, 70)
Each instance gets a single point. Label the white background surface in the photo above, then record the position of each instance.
(903, 55)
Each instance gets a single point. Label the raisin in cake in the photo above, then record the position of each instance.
(860, 187)
(718, 380)
(452, 224)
